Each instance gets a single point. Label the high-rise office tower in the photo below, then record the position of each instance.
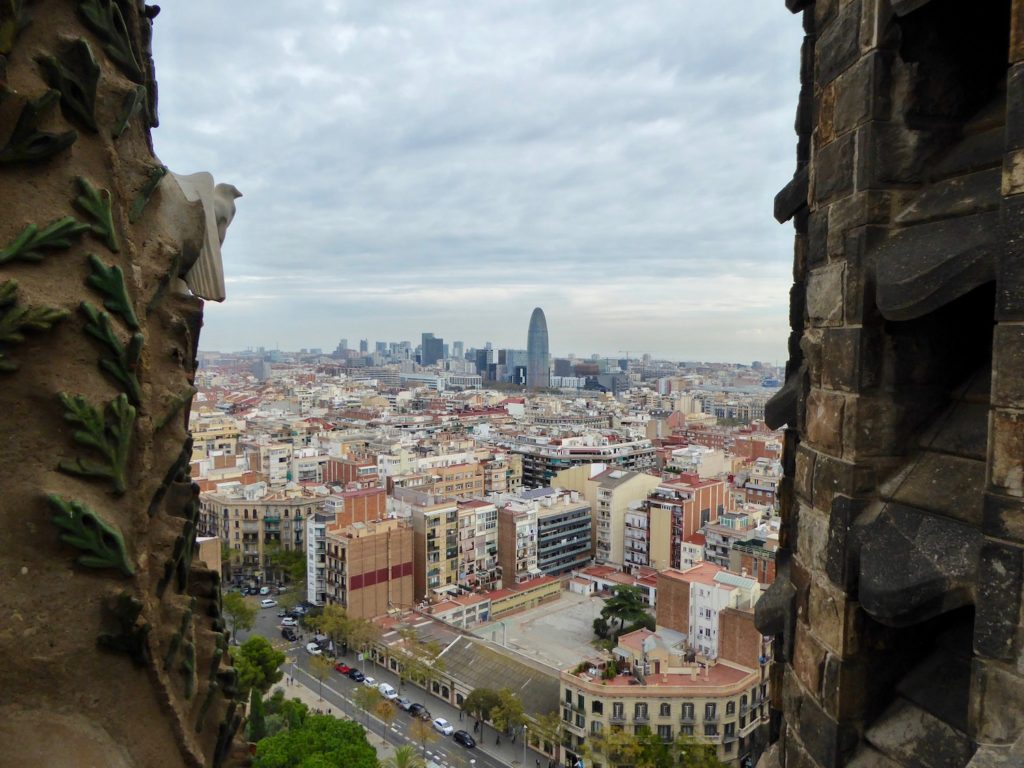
(364, 346)
(458, 350)
(537, 375)
(432, 349)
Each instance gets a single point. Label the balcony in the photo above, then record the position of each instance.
(617, 719)
(641, 718)
(711, 718)
(687, 718)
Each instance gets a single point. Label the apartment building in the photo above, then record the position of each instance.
(368, 567)
(503, 473)
(720, 536)
(213, 434)
(253, 524)
(544, 457)
(517, 543)
(563, 532)
(478, 544)
(612, 492)
(435, 523)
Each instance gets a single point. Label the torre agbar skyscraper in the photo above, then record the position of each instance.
(537, 351)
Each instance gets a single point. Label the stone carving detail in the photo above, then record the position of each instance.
(897, 609)
(136, 657)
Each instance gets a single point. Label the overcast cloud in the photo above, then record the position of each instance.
(447, 166)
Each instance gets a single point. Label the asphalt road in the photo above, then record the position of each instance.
(338, 690)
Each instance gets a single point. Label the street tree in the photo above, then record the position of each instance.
(420, 660)
(479, 704)
(257, 725)
(548, 730)
(362, 634)
(257, 664)
(386, 711)
(627, 604)
(366, 699)
(404, 757)
(241, 614)
(320, 667)
(423, 733)
(320, 741)
(334, 622)
(508, 714)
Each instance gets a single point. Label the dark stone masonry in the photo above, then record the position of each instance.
(897, 614)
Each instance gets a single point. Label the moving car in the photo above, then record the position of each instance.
(418, 710)
(343, 668)
(267, 602)
(404, 703)
(442, 725)
(387, 691)
(463, 738)
(313, 649)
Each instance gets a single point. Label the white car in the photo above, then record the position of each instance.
(369, 682)
(267, 603)
(313, 649)
(442, 725)
(288, 621)
(387, 691)
(264, 590)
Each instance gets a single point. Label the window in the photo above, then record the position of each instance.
(640, 711)
(730, 708)
(579, 702)
(568, 696)
(686, 730)
(687, 711)
(595, 726)
(597, 707)
(665, 732)
(709, 711)
(579, 720)
(665, 710)
(617, 709)
(710, 729)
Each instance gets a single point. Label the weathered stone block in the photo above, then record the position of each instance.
(825, 420)
(1014, 134)
(888, 153)
(860, 279)
(1010, 271)
(841, 557)
(808, 659)
(949, 485)
(1013, 173)
(827, 741)
(1004, 517)
(832, 476)
(810, 345)
(826, 116)
(838, 44)
(915, 737)
(832, 173)
(850, 359)
(825, 295)
(1007, 441)
(1017, 33)
(834, 618)
(824, 12)
(857, 210)
(791, 197)
(812, 538)
(804, 473)
(999, 596)
(863, 92)
(1007, 381)
(799, 264)
(817, 237)
(876, 27)
(997, 702)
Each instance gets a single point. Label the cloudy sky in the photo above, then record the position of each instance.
(446, 166)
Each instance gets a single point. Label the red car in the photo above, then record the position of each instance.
(343, 668)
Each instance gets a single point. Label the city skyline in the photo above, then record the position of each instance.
(408, 167)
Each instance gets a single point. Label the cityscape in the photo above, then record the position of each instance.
(469, 495)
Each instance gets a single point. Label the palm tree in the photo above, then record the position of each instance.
(404, 757)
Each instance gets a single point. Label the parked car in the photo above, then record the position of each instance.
(267, 602)
(356, 675)
(282, 613)
(418, 710)
(313, 649)
(463, 738)
(343, 668)
(442, 725)
(369, 682)
(288, 621)
(289, 634)
(404, 703)
(387, 691)
(264, 590)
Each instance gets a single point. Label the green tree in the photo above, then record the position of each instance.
(334, 623)
(292, 712)
(320, 667)
(386, 711)
(257, 663)
(625, 604)
(289, 562)
(241, 614)
(362, 634)
(422, 732)
(420, 661)
(320, 742)
(366, 699)
(479, 704)
(601, 627)
(257, 725)
(404, 757)
(548, 730)
(508, 714)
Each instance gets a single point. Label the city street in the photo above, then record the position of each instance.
(338, 691)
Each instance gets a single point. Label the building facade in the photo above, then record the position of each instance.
(538, 360)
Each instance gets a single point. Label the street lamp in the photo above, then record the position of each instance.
(524, 744)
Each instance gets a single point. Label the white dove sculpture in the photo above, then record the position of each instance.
(205, 278)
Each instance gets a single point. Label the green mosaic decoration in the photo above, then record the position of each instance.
(134, 102)
(104, 18)
(110, 282)
(15, 321)
(211, 694)
(132, 639)
(101, 543)
(178, 637)
(31, 241)
(108, 434)
(75, 74)
(27, 143)
(156, 173)
(12, 21)
(96, 203)
(123, 361)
